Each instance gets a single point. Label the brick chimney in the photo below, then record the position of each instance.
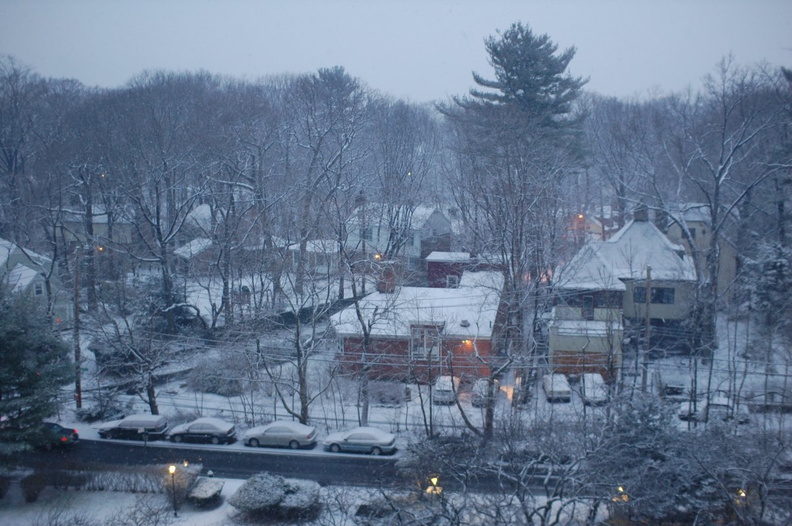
(386, 282)
(641, 213)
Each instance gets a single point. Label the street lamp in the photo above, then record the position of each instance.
(434, 489)
(172, 471)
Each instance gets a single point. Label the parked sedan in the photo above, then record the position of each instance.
(361, 440)
(281, 433)
(57, 435)
(718, 409)
(135, 427)
(204, 429)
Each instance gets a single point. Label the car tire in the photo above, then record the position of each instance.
(376, 451)
(177, 438)
(335, 448)
(294, 444)
(215, 440)
(253, 442)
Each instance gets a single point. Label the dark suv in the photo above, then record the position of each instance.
(57, 435)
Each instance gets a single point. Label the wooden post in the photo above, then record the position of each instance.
(648, 330)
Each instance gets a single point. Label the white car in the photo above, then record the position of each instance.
(593, 389)
(281, 433)
(204, 429)
(719, 408)
(361, 440)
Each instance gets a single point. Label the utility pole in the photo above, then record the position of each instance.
(648, 330)
(76, 333)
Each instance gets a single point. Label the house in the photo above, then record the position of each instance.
(25, 272)
(107, 228)
(418, 333)
(194, 257)
(399, 231)
(608, 283)
(696, 217)
(445, 269)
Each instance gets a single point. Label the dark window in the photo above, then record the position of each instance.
(588, 307)
(660, 295)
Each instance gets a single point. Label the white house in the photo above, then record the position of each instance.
(25, 272)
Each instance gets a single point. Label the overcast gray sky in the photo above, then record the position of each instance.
(417, 49)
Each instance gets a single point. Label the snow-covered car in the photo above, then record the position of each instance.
(556, 388)
(478, 394)
(361, 440)
(136, 427)
(719, 408)
(281, 433)
(204, 429)
(445, 390)
(593, 389)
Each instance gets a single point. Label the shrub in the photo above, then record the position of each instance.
(270, 495)
(216, 376)
(5, 483)
(387, 393)
(102, 404)
(32, 485)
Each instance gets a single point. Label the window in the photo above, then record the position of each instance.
(425, 342)
(693, 233)
(452, 282)
(588, 307)
(38, 290)
(367, 234)
(660, 295)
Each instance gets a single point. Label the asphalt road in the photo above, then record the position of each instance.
(325, 468)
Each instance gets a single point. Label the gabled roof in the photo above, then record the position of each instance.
(420, 213)
(26, 257)
(19, 278)
(466, 312)
(605, 265)
(193, 248)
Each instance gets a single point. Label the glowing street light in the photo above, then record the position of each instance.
(434, 489)
(172, 471)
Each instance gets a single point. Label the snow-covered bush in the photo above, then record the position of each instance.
(217, 376)
(270, 495)
(387, 393)
(103, 404)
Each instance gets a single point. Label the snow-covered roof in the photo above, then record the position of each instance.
(100, 216)
(448, 257)
(586, 327)
(603, 265)
(10, 251)
(201, 216)
(193, 248)
(420, 213)
(318, 246)
(466, 312)
(19, 278)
